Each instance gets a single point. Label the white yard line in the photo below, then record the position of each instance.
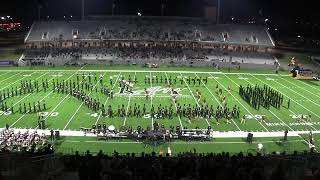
(147, 71)
(29, 93)
(10, 77)
(300, 95)
(240, 102)
(5, 73)
(279, 118)
(14, 82)
(40, 100)
(193, 96)
(151, 96)
(318, 89)
(175, 105)
(300, 87)
(217, 101)
(130, 95)
(285, 96)
(80, 104)
(291, 98)
(115, 83)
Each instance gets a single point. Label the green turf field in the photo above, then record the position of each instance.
(65, 112)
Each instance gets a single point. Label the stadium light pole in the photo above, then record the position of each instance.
(113, 6)
(82, 9)
(162, 8)
(218, 12)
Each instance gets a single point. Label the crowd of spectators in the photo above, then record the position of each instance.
(148, 52)
(182, 166)
(189, 166)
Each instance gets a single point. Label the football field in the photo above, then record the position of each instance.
(65, 112)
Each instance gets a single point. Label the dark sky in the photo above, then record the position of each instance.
(274, 9)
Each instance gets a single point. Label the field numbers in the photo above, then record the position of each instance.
(254, 116)
(5, 113)
(298, 116)
(53, 114)
(94, 115)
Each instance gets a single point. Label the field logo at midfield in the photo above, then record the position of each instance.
(154, 90)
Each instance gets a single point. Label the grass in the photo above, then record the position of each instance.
(66, 112)
(231, 145)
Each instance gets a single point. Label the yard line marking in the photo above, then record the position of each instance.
(277, 116)
(293, 99)
(154, 71)
(41, 100)
(240, 102)
(193, 96)
(29, 93)
(287, 97)
(217, 101)
(301, 88)
(105, 103)
(175, 105)
(308, 85)
(68, 95)
(151, 96)
(130, 95)
(5, 73)
(10, 77)
(300, 95)
(14, 82)
(81, 103)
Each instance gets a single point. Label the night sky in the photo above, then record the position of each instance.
(277, 10)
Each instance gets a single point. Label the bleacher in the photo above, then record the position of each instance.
(149, 28)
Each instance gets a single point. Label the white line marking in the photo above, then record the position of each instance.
(29, 93)
(241, 103)
(151, 96)
(292, 99)
(301, 87)
(193, 96)
(15, 81)
(5, 73)
(279, 118)
(81, 104)
(217, 101)
(285, 96)
(41, 100)
(107, 98)
(10, 77)
(175, 105)
(130, 95)
(147, 71)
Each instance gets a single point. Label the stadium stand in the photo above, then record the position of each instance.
(148, 28)
(128, 40)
